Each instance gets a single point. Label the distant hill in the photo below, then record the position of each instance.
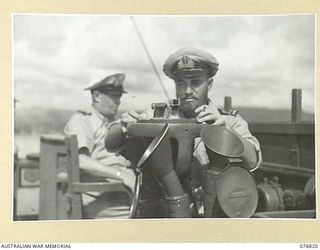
(40, 120)
(270, 115)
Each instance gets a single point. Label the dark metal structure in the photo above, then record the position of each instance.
(283, 186)
(286, 179)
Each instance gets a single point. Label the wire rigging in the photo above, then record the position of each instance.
(149, 57)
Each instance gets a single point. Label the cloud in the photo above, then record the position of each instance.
(261, 57)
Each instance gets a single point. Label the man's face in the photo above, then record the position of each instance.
(107, 103)
(192, 92)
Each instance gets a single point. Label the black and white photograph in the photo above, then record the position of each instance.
(144, 117)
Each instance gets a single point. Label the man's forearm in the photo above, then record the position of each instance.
(96, 168)
(249, 157)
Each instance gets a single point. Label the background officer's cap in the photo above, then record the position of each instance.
(190, 62)
(112, 83)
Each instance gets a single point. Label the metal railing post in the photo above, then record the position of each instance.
(227, 103)
(296, 106)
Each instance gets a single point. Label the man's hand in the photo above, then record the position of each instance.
(128, 178)
(209, 114)
(132, 117)
(116, 162)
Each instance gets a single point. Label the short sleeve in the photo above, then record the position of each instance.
(78, 125)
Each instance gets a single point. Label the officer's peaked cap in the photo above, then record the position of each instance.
(112, 83)
(190, 62)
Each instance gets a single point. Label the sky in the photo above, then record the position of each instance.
(261, 58)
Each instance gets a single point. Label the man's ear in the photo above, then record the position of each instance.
(210, 81)
(95, 96)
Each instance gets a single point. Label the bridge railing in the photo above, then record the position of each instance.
(288, 147)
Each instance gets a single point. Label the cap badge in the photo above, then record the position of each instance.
(185, 62)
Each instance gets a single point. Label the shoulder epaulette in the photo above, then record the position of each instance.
(84, 112)
(228, 112)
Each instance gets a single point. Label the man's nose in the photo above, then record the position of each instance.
(188, 89)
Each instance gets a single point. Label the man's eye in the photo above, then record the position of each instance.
(196, 83)
(115, 96)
